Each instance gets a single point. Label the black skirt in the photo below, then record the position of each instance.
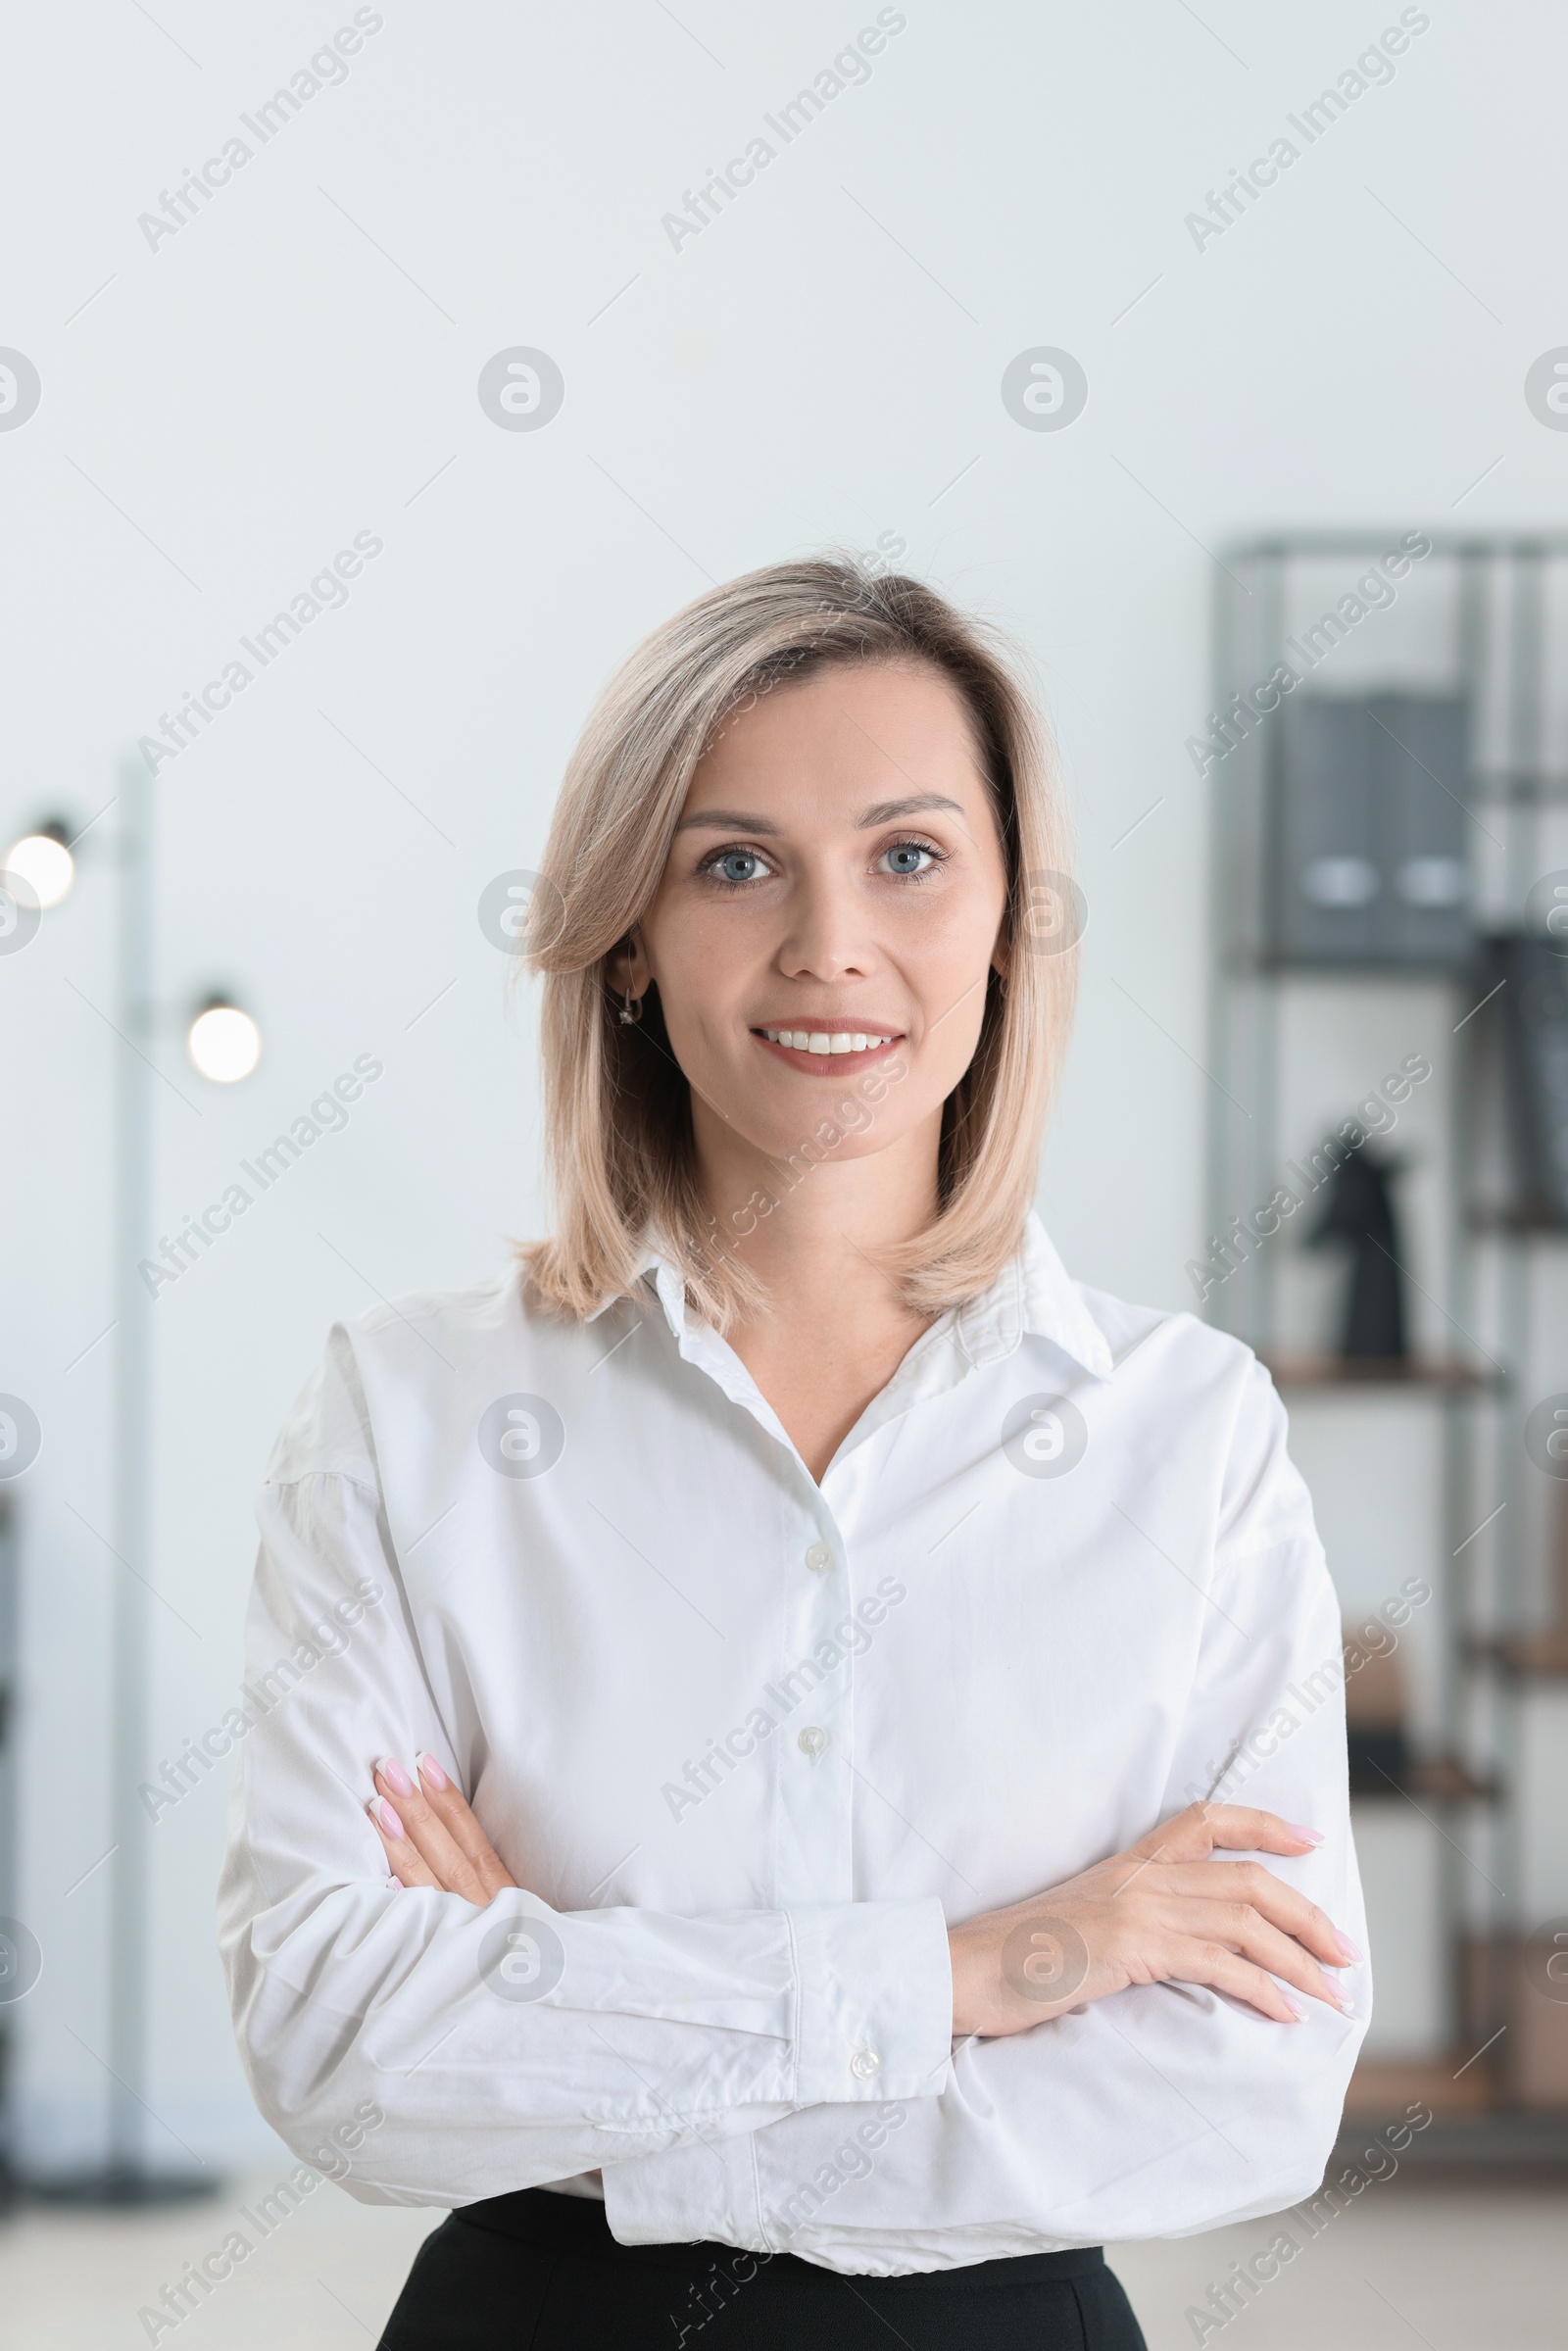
(538, 2272)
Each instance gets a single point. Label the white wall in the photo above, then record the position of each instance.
(818, 365)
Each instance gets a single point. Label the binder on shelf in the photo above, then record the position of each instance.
(1368, 863)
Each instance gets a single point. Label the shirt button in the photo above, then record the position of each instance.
(813, 1740)
(864, 2062)
(820, 1558)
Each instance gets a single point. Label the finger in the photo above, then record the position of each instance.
(1246, 1930)
(1187, 1837)
(1238, 1827)
(1193, 1835)
(450, 1866)
(1282, 1904)
(452, 1808)
(1195, 1960)
(402, 1859)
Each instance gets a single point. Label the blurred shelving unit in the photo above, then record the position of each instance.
(1464, 1836)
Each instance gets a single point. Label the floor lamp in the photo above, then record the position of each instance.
(225, 1044)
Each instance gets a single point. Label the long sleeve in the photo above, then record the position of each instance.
(1162, 2110)
(521, 2043)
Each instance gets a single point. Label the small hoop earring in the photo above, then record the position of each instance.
(631, 1012)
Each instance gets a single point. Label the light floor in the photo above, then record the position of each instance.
(1458, 2269)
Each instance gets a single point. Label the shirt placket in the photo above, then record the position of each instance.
(812, 1701)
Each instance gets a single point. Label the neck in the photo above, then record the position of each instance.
(835, 1326)
(831, 1218)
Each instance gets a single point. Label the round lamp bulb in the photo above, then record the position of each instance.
(224, 1044)
(45, 862)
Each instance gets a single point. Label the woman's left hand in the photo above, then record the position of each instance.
(431, 1836)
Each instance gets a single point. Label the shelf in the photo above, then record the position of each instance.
(1531, 1656)
(1296, 545)
(1498, 788)
(1382, 2086)
(1531, 1221)
(1271, 967)
(1438, 1778)
(1443, 1374)
(1474, 2124)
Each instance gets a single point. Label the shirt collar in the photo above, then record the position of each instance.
(1033, 1295)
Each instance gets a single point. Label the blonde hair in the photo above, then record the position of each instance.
(618, 1108)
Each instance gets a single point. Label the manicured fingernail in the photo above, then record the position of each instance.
(1309, 1837)
(430, 1771)
(1298, 2013)
(394, 1885)
(396, 1777)
(1348, 1949)
(382, 1811)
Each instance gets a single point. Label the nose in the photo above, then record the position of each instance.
(825, 936)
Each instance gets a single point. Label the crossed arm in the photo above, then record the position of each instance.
(1165, 1911)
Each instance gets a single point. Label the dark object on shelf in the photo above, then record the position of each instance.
(1374, 1708)
(1382, 1760)
(1379, 1756)
(1432, 1779)
(1531, 976)
(1359, 1211)
(1368, 833)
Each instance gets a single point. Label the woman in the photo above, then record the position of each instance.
(762, 1796)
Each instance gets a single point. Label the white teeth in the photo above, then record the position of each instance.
(823, 1041)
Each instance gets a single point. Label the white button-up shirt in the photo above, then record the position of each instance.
(747, 1744)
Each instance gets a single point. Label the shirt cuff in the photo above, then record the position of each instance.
(874, 2001)
(705, 2189)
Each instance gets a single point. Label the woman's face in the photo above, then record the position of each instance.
(830, 910)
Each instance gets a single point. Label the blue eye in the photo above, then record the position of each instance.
(739, 865)
(909, 858)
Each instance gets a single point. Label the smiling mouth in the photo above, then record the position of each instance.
(819, 1050)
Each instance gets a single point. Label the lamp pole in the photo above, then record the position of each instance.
(129, 2179)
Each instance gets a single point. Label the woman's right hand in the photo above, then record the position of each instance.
(1164, 1912)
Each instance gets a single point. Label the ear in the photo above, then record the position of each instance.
(626, 966)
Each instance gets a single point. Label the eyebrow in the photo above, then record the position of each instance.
(885, 811)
